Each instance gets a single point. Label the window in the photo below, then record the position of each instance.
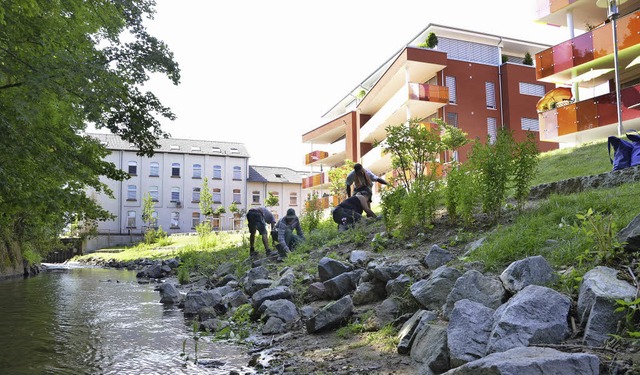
(452, 119)
(237, 173)
(131, 219)
(531, 89)
(197, 171)
(195, 148)
(154, 169)
(175, 148)
(133, 168)
(450, 82)
(195, 195)
(217, 172)
(153, 223)
(215, 223)
(216, 150)
(195, 219)
(492, 130)
(530, 124)
(276, 195)
(237, 198)
(175, 220)
(175, 170)
(175, 194)
(490, 89)
(132, 192)
(293, 199)
(234, 150)
(255, 197)
(236, 222)
(275, 215)
(216, 196)
(153, 192)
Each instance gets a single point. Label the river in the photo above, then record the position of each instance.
(80, 320)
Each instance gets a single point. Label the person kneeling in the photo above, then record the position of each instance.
(349, 211)
(287, 241)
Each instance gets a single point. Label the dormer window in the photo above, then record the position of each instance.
(175, 148)
(195, 148)
(234, 150)
(216, 149)
(278, 175)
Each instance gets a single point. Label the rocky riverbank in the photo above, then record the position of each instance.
(414, 309)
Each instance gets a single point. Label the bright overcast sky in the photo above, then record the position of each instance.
(264, 72)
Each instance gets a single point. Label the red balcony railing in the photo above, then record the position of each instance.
(323, 202)
(589, 114)
(588, 46)
(429, 93)
(314, 156)
(315, 180)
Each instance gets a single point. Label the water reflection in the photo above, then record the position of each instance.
(98, 321)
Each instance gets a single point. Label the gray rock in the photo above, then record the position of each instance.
(468, 331)
(472, 285)
(169, 294)
(198, 299)
(272, 294)
(407, 333)
(282, 309)
(533, 270)
(630, 235)
(436, 257)
(332, 315)
(398, 287)
(359, 257)
(368, 292)
(429, 351)
(329, 268)
(432, 293)
(531, 361)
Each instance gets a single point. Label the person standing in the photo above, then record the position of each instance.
(257, 220)
(362, 179)
(287, 241)
(349, 211)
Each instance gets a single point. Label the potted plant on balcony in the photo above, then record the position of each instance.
(527, 59)
(431, 41)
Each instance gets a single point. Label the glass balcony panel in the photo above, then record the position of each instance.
(567, 120)
(628, 31)
(582, 49)
(562, 56)
(602, 41)
(544, 65)
(548, 125)
(630, 97)
(586, 114)
(314, 156)
(607, 112)
(315, 180)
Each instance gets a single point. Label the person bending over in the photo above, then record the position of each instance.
(287, 241)
(257, 220)
(349, 211)
(362, 180)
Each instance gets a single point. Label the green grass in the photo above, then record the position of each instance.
(583, 160)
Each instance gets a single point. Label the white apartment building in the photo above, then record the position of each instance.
(284, 183)
(174, 178)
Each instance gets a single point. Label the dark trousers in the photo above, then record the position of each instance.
(345, 217)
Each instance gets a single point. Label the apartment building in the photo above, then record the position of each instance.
(475, 81)
(174, 178)
(283, 183)
(605, 99)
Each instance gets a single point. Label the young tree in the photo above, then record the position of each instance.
(271, 200)
(338, 177)
(66, 64)
(148, 208)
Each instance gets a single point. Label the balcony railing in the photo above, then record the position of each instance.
(591, 118)
(315, 156)
(324, 202)
(315, 180)
(429, 93)
(588, 47)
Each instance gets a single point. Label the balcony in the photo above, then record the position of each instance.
(591, 119)
(592, 51)
(325, 202)
(376, 160)
(317, 181)
(415, 100)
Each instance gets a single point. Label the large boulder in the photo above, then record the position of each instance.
(468, 331)
(474, 286)
(533, 270)
(331, 316)
(432, 293)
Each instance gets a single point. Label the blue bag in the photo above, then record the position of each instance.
(621, 152)
(635, 151)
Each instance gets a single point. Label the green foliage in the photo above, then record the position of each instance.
(350, 330)
(525, 163)
(271, 200)
(312, 214)
(158, 235)
(462, 192)
(203, 229)
(206, 201)
(566, 162)
(631, 311)
(528, 60)
(219, 211)
(379, 243)
(183, 275)
(544, 230)
(430, 42)
(65, 65)
(598, 233)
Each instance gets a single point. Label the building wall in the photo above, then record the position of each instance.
(284, 190)
(121, 204)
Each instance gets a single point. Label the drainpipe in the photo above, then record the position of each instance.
(500, 83)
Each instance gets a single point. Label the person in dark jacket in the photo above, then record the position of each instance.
(349, 211)
(257, 220)
(287, 241)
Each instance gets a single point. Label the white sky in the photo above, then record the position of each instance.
(264, 72)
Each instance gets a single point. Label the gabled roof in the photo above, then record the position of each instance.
(274, 174)
(179, 146)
